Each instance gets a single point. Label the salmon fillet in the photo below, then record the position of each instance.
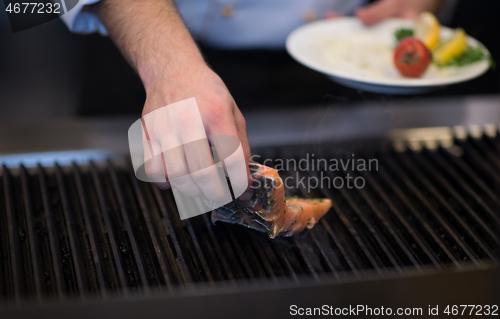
(268, 210)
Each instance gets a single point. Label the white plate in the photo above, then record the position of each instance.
(361, 57)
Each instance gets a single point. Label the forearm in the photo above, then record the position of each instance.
(152, 37)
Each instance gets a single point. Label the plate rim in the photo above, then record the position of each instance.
(398, 82)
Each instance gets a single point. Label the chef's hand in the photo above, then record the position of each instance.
(153, 38)
(407, 9)
(186, 160)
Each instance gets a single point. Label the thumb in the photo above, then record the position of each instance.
(378, 11)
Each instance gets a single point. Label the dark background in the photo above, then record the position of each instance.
(48, 72)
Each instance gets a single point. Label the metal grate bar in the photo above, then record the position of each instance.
(476, 160)
(207, 250)
(419, 217)
(181, 268)
(228, 271)
(152, 235)
(475, 218)
(487, 152)
(239, 251)
(199, 253)
(102, 236)
(439, 158)
(324, 254)
(392, 229)
(316, 242)
(354, 233)
(415, 237)
(280, 253)
(179, 271)
(3, 251)
(132, 240)
(95, 255)
(173, 223)
(305, 258)
(298, 243)
(170, 266)
(470, 173)
(96, 230)
(310, 261)
(368, 224)
(463, 226)
(225, 250)
(36, 260)
(268, 258)
(340, 247)
(51, 228)
(415, 190)
(72, 235)
(13, 239)
(246, 251)
(109, 226)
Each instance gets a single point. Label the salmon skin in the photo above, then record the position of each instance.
(269, 210)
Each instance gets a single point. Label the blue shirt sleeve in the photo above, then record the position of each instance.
(80, 21)
(254, 24)
(233, 23)
(236, 24)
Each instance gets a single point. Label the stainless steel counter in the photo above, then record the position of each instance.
(265, 127)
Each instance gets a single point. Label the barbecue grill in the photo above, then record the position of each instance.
(80, 236)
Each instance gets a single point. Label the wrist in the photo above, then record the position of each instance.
(159, 70)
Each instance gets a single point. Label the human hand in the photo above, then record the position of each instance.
(180, 129)
(406, 9)
(188, 107)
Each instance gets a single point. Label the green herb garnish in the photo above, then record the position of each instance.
(402, 33)
(271, 233)
(261, 214)
(272, 202)
(471, 55)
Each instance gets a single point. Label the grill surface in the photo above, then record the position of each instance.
(95, 230)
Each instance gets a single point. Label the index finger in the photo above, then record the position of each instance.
(229, 139)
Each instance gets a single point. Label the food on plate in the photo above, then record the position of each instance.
(471, 55)
(359, 52)
(412, 57)
(402, 33)
(454, 51)
(427, 30)
(269, 210)
(368, 58)
(453, 48)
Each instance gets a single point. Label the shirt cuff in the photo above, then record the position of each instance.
(83, 22)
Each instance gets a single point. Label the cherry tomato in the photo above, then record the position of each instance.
(411, 57)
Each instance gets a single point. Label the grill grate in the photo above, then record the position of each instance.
(92, 230)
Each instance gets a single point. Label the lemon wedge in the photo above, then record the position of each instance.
(454, 47)
(427, 29)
